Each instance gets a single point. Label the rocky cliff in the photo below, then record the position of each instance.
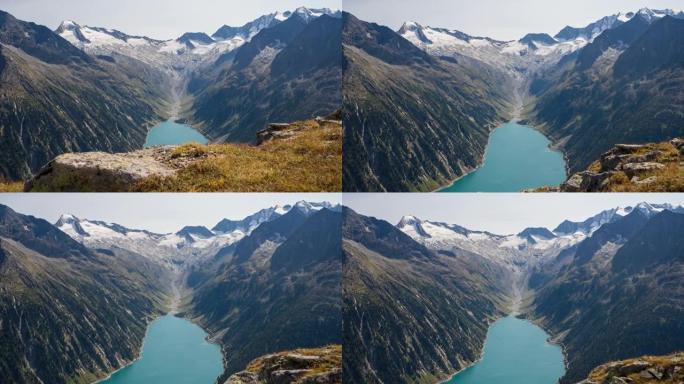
(620, 296)
(413, 122)
(301, 366)
(644, 370)
(412, 315)
(277, 289)
(69, 314)
(653, 167)
(625, 87)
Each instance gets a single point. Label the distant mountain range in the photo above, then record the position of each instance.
(83, 88)
(188, 50)
(77, 296)
(616, 80)
(419, 296)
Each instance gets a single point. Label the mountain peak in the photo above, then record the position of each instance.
(67, 25)
(409, 26)
(311, 13)
(201, 37)
(408, 220)
(543, 38)
(309, 208)
(652, 14)
(199, 231)
(66, 219)
(543, 233)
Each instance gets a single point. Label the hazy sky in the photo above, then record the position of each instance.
(160, 19)
(497, 213)
(499, 19)
(161, 213)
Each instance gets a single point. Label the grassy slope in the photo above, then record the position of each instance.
(673, 363)
(307, 162)
(669, 179)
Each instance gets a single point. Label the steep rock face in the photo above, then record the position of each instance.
(625, 87)
(277, 289)
(69, 314)
(644, 370)
(301, 366)
(54, 99)
(412, 121)
(620, 296)
(653, 167)
(410, 314)
(291, 71)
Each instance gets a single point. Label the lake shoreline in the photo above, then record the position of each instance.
(495, 166)
(140, 352)
(478, 376)
(479, 360)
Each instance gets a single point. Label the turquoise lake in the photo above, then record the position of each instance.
(516, 352)
(174, 352)
(172, 133)
(517, 158)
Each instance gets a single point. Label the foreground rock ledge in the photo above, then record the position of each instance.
(302, 366)
(104, 172)
(312, 145)
(648, 369)
(632, 168)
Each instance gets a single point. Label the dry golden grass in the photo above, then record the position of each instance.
(668, 179)
(600, 374)
(330, 358)
(309, 161)
(11, 187)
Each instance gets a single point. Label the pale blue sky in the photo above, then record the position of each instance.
(499, 19)
(162, 213)
(159, 19)
(503, 213)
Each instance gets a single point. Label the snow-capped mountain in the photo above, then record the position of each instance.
(190, 48)
(532, 51)
(525, 249)
(250, 29)
(250, 223)
(593, 223)
(189, 243)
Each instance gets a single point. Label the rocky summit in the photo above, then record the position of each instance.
(649, 369)
(633, 168)
(301, 366)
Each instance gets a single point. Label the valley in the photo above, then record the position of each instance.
(126, 92)
(568, 286)
(194, 308)
(568, 87)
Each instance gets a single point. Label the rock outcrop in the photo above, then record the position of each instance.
(302, 366)
(633, 168)
(276, 131)
(281, 148)
(650, 369)
(102, 172)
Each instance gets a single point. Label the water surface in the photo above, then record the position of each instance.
(174, 352)
(516, 352)
(172, 133)
(517, 158)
